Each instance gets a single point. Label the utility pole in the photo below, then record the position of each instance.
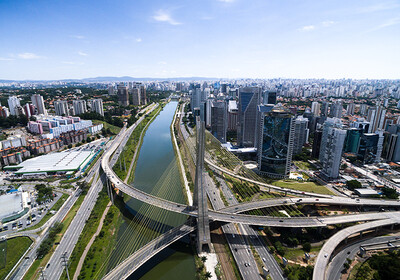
(65, 263)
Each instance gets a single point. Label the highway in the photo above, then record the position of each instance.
(327, 249)
(335, 267)
(335, 200)
(54, 267)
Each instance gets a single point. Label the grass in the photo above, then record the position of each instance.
(293, 254)
(303, 186)
(114, 129)
(16, 247)
(88, 231)
(232, 260)
(304, 165)
(94, 265)
(48, 215)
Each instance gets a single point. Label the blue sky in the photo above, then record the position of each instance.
(57, 39)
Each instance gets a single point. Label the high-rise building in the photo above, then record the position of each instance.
(111, 90)
(195, 98)
(391, 145)
(376, 117)
(29, 110)
(232, 115)
(370, 148)
(275, 144)
(316, 143)
(350, 109)
(143, 98)
(336, 109)
(352, 141)
(316, 109)
(61, 108)
(324, 109)
(135, 93)
(13, 103)
(332, 142)
(301, 133)
(219, 120)
(97, 106)
(249, 99)
(363, 109)
(79, 106)
(123, 96)
(37, 101)
(269, 97)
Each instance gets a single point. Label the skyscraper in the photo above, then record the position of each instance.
(350, 109)
(61, 108)
(219, 120)
(135, 92)
(79, 106)
(13, 103)
(331, 147)
(37, 101)
(123, 96)
(301, 133)
(143, 98)
(376, 117)
(315, 108)
(249, 99)
(275, 144)
(97, 106)
(336, 109)
(269, 97)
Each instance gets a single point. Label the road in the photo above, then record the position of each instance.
(246, 231)
(54, 267)
(335, 268)
(327, 249)
(31, 256)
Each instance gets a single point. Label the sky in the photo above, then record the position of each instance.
(70, 39)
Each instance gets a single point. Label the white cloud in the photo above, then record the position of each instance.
(165, 16)
(226, 1)
(82, 53)
(28, 56)
(307, 28)
(162, 63)
(378, 7)
(138, 40)
(77, 36)
(72, 62)
(388, 23)
(328, 23)
(6, 59)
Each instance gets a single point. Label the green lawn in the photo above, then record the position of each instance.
(114, 129)
(304, 165)
(303, 186)
(14, 248)
(292, 254)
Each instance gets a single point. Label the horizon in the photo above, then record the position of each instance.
(215, 38)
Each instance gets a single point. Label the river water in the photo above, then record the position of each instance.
(156, 173)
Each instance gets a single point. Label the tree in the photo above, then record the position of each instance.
(307, 247)
(207, 275)
(353, 184)
(390, 193)
(203, 258)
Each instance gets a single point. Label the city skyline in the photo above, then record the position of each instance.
(215, 38)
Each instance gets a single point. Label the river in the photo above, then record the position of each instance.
(156, 173)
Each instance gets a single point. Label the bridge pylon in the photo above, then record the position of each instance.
(200, 196)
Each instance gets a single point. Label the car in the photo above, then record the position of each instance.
(232, 217)
(326, 255)
(233, 236)
(264, 260)
(235, 249)
(281, 221)
(348, 253)
(246, 265)
(5, 228)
